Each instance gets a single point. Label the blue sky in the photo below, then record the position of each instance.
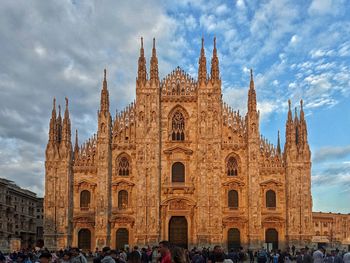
(297, 49)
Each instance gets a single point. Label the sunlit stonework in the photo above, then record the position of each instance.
(178, 164)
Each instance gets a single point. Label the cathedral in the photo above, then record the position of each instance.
(177, 164)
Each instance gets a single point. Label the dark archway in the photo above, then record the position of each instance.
(85, 198)
(270, 199)
(178, 231)
(271, 237)
(178, 173)
(84, 239)
(233, 238)
(121, 238)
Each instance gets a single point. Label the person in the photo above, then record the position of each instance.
(346, 257)
(66, 257)
(178, 255)
(262, 256)
(164, 250)
(134, 257)
(251, 256)
(217, 255)
(77, 256)
(307, 256)
(45, 257)
(106, 252)
(318, 255)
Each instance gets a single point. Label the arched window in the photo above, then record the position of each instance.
(232, 167)
(271, 236)
(233, 199)
(270, 199)
(178, 173)
(122, 199)
(178, 127)
(123, 166)
(85, 198)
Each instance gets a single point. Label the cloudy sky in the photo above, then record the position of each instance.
(298, 49)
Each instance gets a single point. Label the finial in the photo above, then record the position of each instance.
(289, 104)
(154, 43)
(54, 102)
(59, 109)
(66, 102)
(301, 104)
(142, 42)
(104, 74)
(214, 42)
(251, 74)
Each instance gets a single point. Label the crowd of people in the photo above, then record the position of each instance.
(165, 252)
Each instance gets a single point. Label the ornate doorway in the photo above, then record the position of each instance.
(178, 230)
(271, 237)
(233, 238)
(84, 239)
(122, 238)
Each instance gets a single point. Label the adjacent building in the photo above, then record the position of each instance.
(17, 217)
(178, 164)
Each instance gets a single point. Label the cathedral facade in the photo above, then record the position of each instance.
(177, 164)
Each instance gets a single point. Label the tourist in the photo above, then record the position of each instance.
(106, 251)
(66, 257)
(77, 256)
(45, 257)
(262, 256)
(318, 255)
(164, 250)
(134, 257)
(307, 258)
(178, 255)
(346, 257)
(217, 255)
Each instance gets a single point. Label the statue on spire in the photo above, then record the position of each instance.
(142, 72)
(154, 64)
(215, 72)
(202, 66)
(104, 106)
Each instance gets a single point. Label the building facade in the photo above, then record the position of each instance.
(177, 164)
(17, 217)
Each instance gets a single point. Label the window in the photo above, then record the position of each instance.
(270, 199)
(178, 173)
(85, 199)
(122, 199)
(233, 199)
(232, 167)
(178, 127)
(123, 166)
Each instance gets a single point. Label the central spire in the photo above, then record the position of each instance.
(251, 94)
(202, 66)
(142, 72)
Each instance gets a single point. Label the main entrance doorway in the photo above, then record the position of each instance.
(233, 239)
(271, 238)
(84, 239)
(122, 238)
(178, 230)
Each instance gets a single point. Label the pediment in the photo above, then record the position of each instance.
(271, 182)
(122, 182)
(178, 199)
(178, 148)
(273, 219)
(85, 182)
(230, 219)
(233, 182)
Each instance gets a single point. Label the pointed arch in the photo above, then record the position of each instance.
(232, 165)
(177, 123)
(123, 165)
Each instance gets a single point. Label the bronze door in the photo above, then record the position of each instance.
(178, 231)
(122, 238)
(271, 236)
(233, 238)
(84, 239)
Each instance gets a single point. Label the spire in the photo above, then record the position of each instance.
(215, 71)
(202, 65)
(289, 111)
(52, 129)
(154, 63)
(59, 125)
(278, 143)
(251, 94)
(76, 146)
(142, 72)
(301, 111)
(104, 105)
(66, 131)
